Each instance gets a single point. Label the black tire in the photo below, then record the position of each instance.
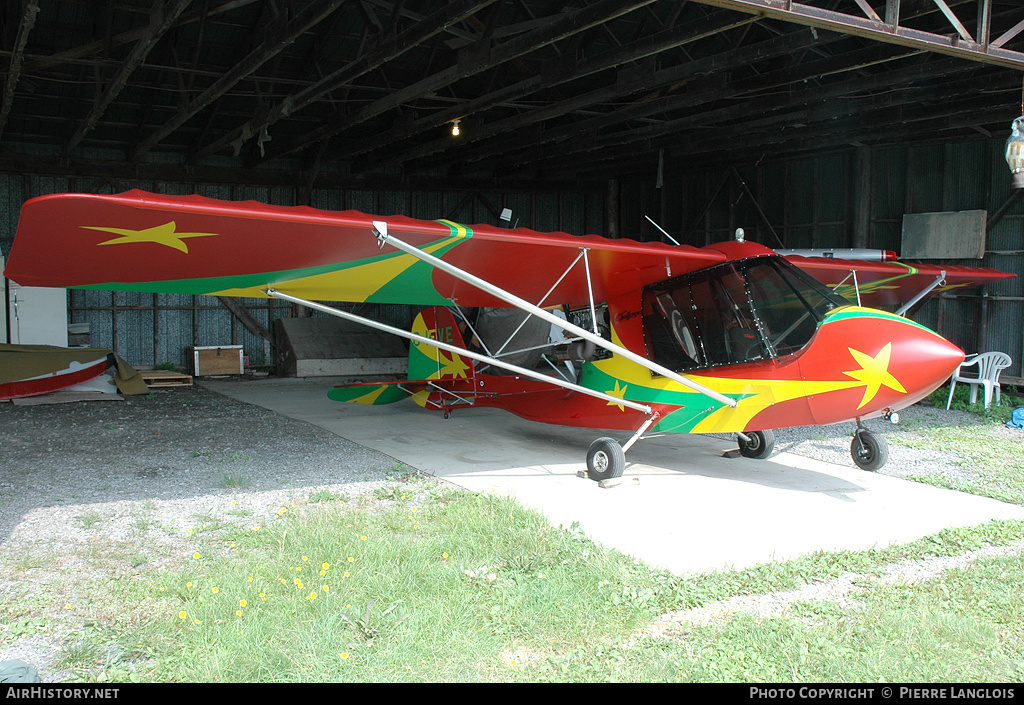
(759, 446)
(605, 459)
(869, 451)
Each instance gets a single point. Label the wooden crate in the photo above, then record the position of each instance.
(217, 360)
(165, 378)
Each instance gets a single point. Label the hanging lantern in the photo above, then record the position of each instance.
(1015, 152)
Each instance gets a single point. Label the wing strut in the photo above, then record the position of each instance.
(939, 280)
(381, 230)
(558, 382)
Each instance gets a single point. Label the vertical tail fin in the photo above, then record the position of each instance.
(429, 363)
(436, 377)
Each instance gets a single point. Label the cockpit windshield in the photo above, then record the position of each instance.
(742, 311)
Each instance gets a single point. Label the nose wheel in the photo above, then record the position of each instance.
(757, 444)
(869, 451)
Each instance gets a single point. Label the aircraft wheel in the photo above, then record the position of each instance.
(605, 459)
(759, 445)
(870, 451)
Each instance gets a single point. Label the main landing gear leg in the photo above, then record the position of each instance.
(869, 450)
(606, 459)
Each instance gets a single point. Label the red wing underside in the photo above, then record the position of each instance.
(884, 284)
(137, 241)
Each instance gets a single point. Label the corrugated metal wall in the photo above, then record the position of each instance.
(154, 329)
(810, 202)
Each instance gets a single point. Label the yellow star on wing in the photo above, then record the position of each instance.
(619, 392)
(160, 234)
(874, 372)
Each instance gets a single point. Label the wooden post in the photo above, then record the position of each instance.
(611, 209)
(862, 197)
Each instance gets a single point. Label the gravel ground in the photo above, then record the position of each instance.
(92, 472)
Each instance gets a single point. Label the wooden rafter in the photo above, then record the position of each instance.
(374, 58)
(308, 17)
(476, 60)
(28, 19)
(161, 19)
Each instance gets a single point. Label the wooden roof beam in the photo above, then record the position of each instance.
(389, 48)
(28, 19)
(161, 19)
(276, 41)
(564, 72)
(125, 38)
(475, 59)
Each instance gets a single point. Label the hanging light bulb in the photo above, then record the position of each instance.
(455, 128)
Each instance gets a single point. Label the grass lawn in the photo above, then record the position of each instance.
(420, 582)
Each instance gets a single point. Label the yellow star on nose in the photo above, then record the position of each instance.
(160, 234)
(619, 392)
(874, 372)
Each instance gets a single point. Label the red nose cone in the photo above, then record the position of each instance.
(880, 361)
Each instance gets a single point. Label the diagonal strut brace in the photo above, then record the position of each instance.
(381, 230)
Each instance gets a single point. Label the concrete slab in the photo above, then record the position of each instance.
(681, 505)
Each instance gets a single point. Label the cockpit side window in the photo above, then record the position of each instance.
(736, 312)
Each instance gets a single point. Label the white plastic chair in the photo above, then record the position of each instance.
(989, 365)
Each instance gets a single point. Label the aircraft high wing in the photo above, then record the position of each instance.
(725, 338)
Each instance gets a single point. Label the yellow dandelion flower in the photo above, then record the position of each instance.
(325, 588)
(312, 596)
(182, 615)
(250, 578)
(188, 584)
(362, 538)
(323, 573)
(444, 555)
(256, 528)
(351, 559)
(197, 621)
(282, 581)
(346, 573)
(304, 558)
(238, 612)
(344, 655)
(241, 603)
(413, 509)
(215, 589)
(67, 606)
(263, 596)
(325, 566)
(195, 556)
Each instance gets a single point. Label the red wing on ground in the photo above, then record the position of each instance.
(138, 241)
(892, 283)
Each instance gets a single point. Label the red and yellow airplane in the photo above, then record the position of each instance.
(728, 338)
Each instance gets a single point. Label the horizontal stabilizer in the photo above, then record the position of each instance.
(376, 393)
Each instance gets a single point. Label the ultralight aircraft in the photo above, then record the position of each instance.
(658, 338)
